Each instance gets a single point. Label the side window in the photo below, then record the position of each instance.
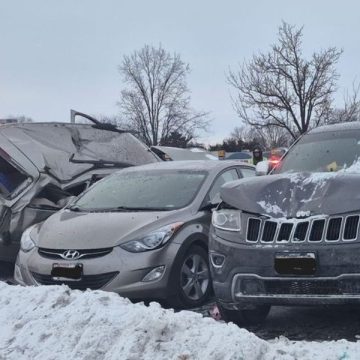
(10, 178)
(214, 193)
(247, 172)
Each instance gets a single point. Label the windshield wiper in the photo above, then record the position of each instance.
(126, 208)
(100, 162)
(76, 208)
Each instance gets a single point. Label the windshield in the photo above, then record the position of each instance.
(323, 152)
(143, 190)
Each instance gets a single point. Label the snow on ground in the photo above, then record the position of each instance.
(57, 323)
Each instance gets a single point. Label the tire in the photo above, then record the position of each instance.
(245, 317)
(192, 274)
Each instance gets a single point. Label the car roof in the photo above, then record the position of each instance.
(67, 150)
(354, 125)
(201, 165)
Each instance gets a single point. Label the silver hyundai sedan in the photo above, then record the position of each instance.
(141, 232)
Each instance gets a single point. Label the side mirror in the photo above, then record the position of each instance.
(262, 168)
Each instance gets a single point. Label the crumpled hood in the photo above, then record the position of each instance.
(295, 195)
(76, 230)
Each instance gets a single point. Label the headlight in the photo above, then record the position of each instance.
(226, 219)
(153, 240)
(27, 243)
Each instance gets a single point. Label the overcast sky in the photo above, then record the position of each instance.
(57, 55)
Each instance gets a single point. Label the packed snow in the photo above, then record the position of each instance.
(55, 322)
(271, 209)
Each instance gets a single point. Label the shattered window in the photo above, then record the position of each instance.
(10, 178)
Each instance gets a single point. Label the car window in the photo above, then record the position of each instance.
(214, 193)
(10, 178)
(247, 172)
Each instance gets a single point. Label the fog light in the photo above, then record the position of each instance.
(217, 260)
(252, 287)
(154, 274)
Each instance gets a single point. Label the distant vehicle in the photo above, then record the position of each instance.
(42, 165)
(292, 237)
(168, 153)
(141, 232)
(240, 155)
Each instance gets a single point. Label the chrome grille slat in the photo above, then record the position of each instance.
(253, 229)
(269, 231)
(285, 232)
(317, 230)
(301, 231)
(333, 229)
(351, 227)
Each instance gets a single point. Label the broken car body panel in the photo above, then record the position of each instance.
(44, 164)
(288, 195)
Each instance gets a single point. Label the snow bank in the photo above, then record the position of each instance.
(58, 323)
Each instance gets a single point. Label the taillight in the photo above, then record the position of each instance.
(274, 162)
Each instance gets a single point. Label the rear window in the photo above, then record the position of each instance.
(10, 178)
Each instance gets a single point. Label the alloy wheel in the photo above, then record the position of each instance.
(195, 277)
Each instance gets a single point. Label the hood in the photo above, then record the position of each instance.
(75, 230)
(295, 195)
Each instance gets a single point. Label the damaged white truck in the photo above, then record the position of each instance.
(42, 165)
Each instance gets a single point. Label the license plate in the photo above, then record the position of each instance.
(295, 263)
(67, 271)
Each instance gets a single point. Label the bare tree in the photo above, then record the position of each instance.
(156, 101)
(266, 137)
(283, 89)
(350, 110)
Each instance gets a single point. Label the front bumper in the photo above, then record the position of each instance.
(248, 276)
(120, 271)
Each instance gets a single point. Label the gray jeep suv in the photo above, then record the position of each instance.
(292, 237)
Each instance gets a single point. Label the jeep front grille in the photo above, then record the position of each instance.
(315, 229)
